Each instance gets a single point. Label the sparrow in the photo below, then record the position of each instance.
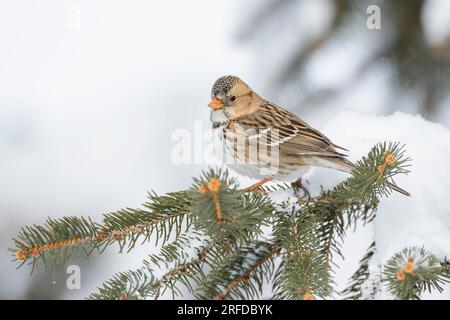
(266, 142)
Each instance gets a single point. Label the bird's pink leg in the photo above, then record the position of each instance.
(258, 184)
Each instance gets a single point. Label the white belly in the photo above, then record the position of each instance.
(249, 168)
(255, 172)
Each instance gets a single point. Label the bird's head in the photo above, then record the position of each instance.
(231, 98)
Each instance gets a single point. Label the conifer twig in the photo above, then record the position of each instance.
(247, 274)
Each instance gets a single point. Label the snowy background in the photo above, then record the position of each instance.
(91, 92)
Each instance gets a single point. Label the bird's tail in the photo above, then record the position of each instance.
(345, 165)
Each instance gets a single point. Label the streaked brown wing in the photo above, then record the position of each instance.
(293, 136)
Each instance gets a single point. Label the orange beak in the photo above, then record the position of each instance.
(215, 104)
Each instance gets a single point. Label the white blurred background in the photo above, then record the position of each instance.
(91, 91)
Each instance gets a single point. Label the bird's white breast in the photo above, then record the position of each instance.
(225, 151)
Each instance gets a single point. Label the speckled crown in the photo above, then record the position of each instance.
(223, 85)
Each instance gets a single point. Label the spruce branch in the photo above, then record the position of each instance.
(305, 273)
(413, 271)
(59, 240)
(220, 207)
(144, 283)
(159, 217)
(356, 287)
(242, 274)
(323, 222)
(64, 235)
(216, 240)
(240, 221)
(356, 199)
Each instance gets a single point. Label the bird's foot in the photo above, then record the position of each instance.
(257, 186)
(298, 186)
(261, 191)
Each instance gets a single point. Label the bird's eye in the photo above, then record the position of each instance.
(233, 98)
